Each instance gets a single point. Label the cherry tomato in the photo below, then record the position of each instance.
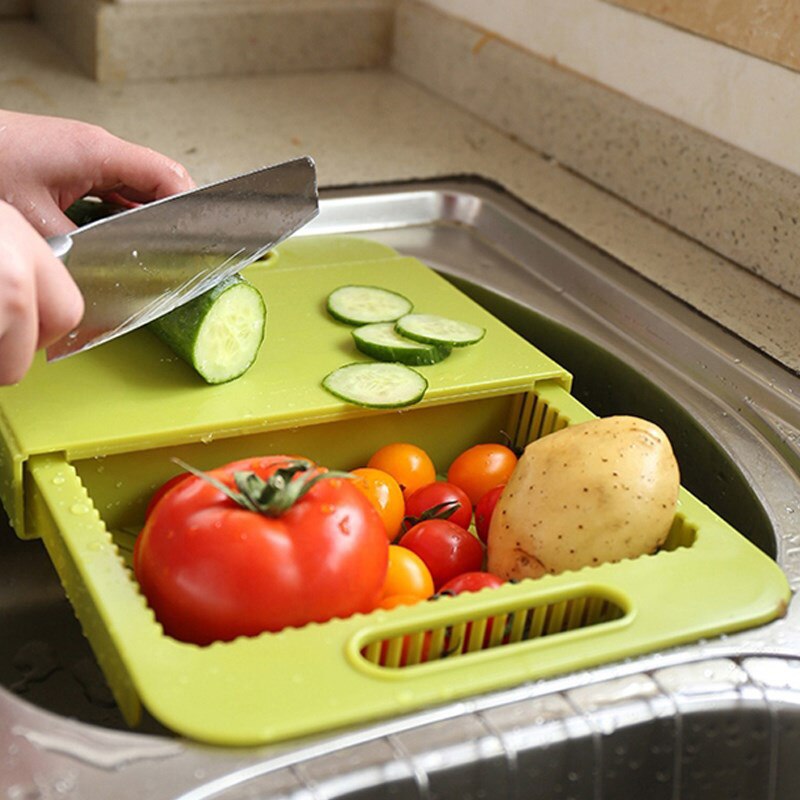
(484, 511)
(438, 500)
(482, 467)
(213, 569)
(471, 582)
(408, 464)
(395, 600)
(445, 547)
(384, 492)
(406, 574)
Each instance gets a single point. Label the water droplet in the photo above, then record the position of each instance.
(405, 696)
(135, 254)
(207, 439)
(79, 508)
(58, 480)
(19, 792)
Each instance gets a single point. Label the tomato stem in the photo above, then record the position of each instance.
(272, 497)
(440, 511)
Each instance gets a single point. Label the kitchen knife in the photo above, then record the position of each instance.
(142, 263)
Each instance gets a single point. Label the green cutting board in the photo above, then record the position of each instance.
(134, 395)
(87, 440)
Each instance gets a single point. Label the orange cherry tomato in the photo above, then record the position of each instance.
(384, 492)
(408, 464)
(406, 575)
(481, 468)
(395, 600)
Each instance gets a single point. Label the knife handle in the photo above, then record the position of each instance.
(61, 246)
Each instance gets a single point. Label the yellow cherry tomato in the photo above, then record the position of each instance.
(406, 574)
(384, 492)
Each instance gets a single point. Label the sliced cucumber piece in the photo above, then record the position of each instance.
(433, 329)
(218, 333)
(376, 385)
(360, 305)
(381, 341)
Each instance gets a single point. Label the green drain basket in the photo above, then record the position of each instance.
(86, 441)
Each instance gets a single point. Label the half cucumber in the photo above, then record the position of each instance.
(360, 305)
(433, 329)
(218, 333)
(381, 341)
(376, 385)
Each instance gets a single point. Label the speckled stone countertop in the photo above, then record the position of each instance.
(375, 126)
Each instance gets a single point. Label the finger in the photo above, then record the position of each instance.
(18, 313)
(138, 173)
(59, 301)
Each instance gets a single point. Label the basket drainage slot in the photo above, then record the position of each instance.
(483, 633)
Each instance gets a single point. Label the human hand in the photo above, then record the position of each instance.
(39, 301)
(46, 163)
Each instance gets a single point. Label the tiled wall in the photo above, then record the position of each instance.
(767, 28)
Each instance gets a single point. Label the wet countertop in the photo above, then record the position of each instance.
(373, 126)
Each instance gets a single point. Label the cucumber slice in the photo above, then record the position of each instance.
(360, 305)
(218, 333)
(380, 385)
(433, 329)
(381, 341)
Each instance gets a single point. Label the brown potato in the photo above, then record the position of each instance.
(600, 491)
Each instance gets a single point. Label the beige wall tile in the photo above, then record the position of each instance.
(767, 28)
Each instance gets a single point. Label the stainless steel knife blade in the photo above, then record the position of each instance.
(141, 264)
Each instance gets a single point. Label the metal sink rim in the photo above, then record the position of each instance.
(189, 770)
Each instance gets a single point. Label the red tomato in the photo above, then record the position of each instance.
(482, 467)
(439, 500)
(484, 511)
(445, 547)
(162, 490)
(384, 492)
(214, 570)
(471, 582)
(408, 464)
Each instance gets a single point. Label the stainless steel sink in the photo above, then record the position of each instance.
(717, 719)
